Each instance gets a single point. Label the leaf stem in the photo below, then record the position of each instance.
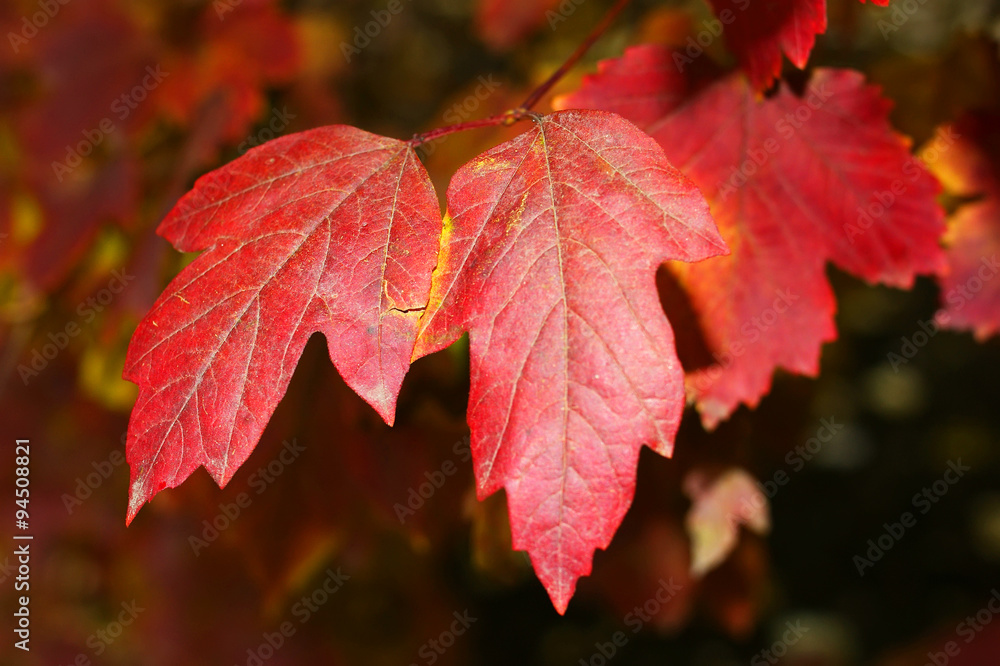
(581, 50)
(524, 110)
(506, 118)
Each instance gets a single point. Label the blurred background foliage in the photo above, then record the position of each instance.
(225, 75)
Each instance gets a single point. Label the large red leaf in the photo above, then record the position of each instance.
(966, 156)
(759, 31)
(330, 230)
(549, 260)
(794, 182)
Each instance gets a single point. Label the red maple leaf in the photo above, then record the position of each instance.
(758, 32)
(332, 230)
(966, 156)
(794, 181)
(549, 260)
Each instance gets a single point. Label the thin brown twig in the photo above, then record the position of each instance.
(581, 50)
(524, 110)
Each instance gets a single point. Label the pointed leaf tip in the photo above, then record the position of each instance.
(332, 230)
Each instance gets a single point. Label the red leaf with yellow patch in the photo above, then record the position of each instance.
(331, 230)
(548, 260)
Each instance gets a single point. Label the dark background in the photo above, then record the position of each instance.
(238, 71)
